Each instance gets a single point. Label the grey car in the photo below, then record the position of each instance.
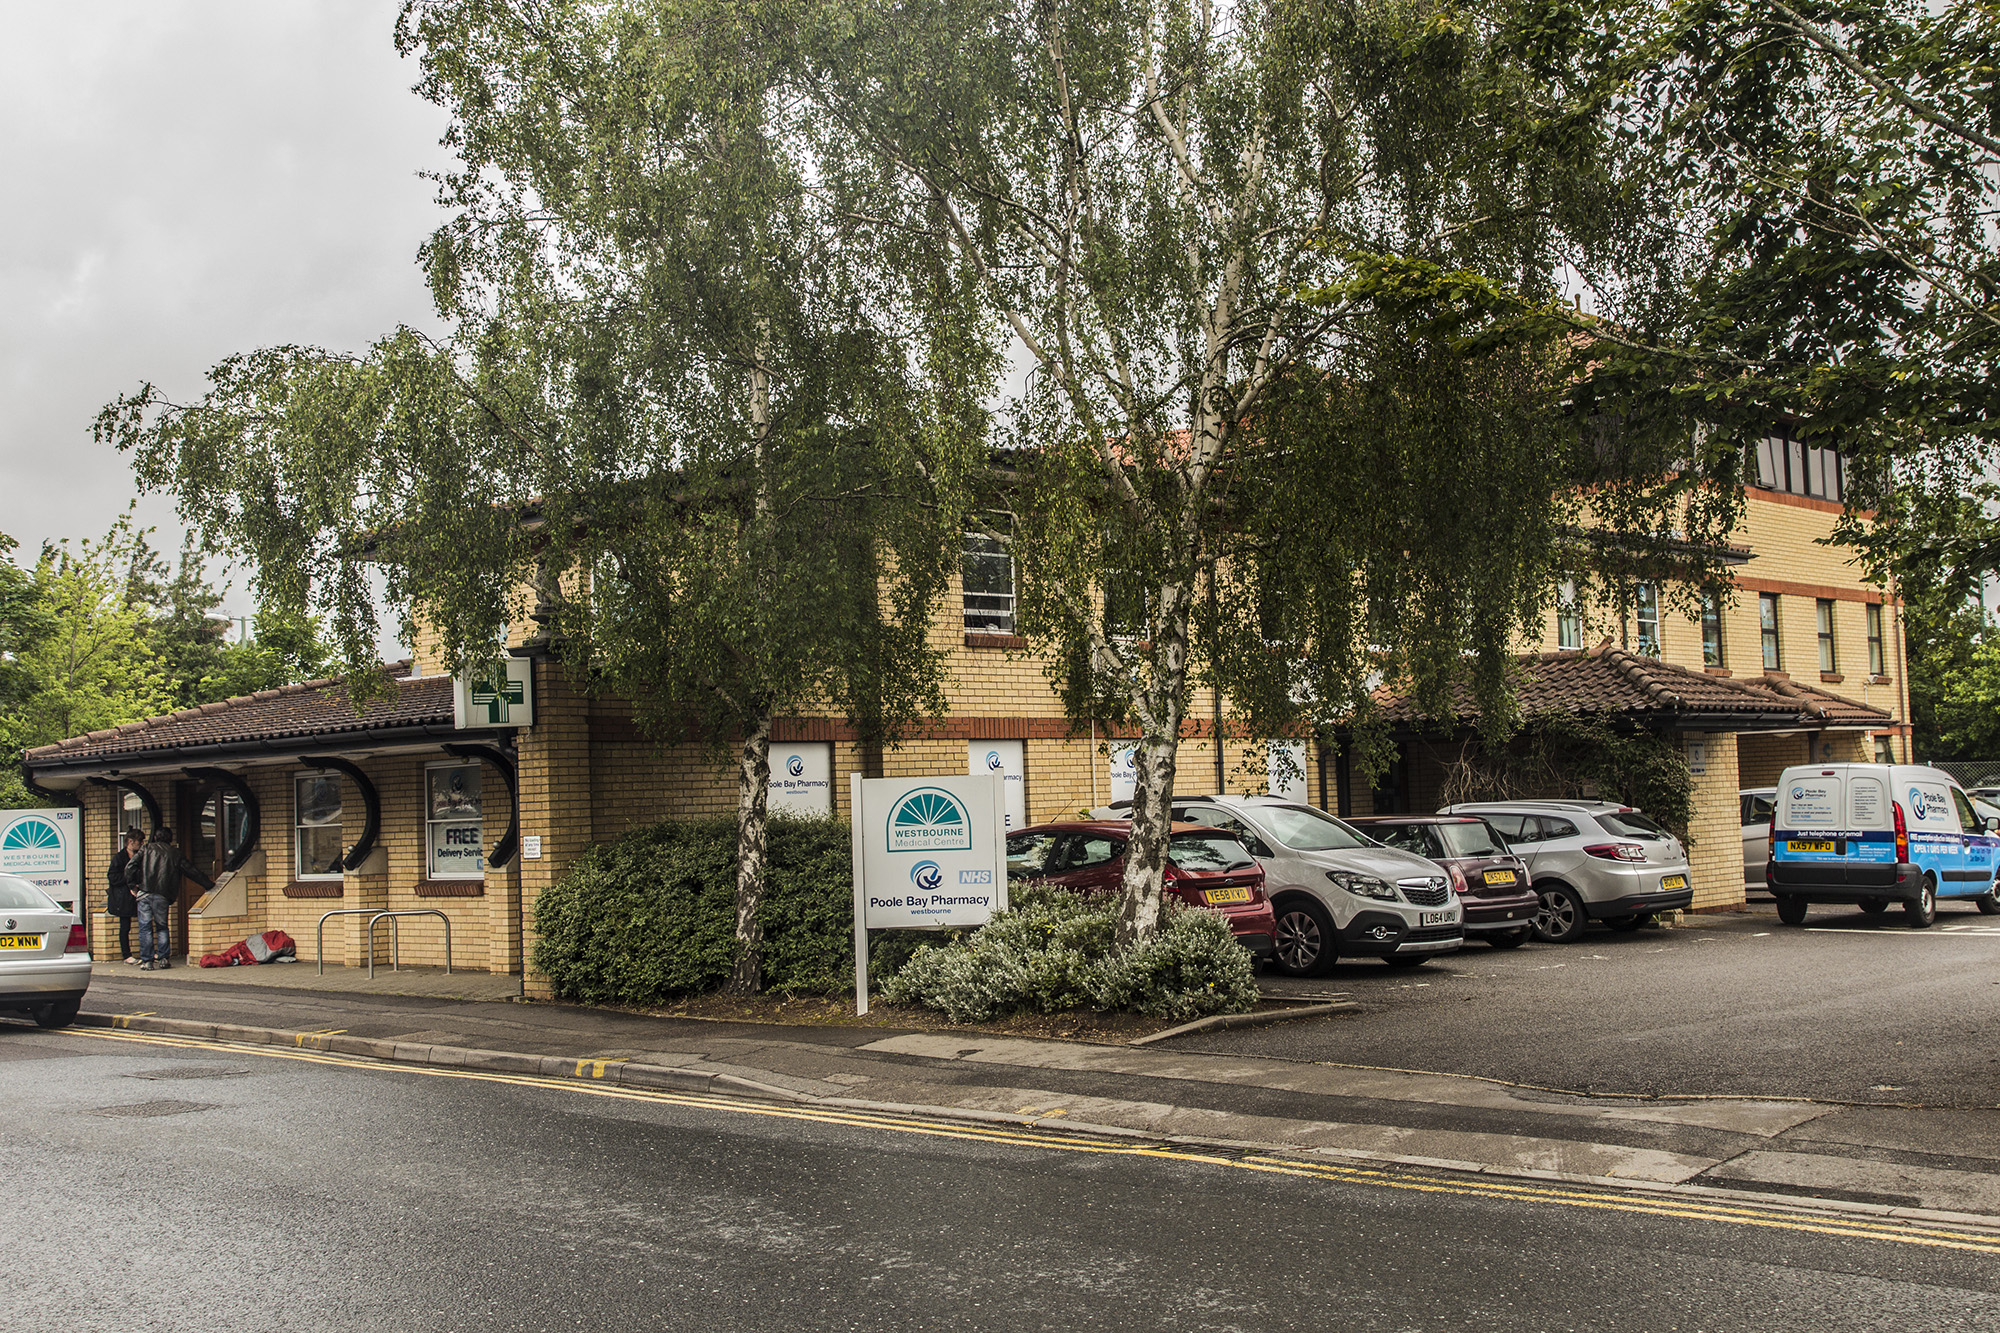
(1335, 891)
(1756, 803)
(44, 957)
(1591, 861)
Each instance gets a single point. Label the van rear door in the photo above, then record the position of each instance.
(1871, 827)
(1812, 821)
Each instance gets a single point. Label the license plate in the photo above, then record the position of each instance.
(1674, 882)
(1500, 877)
(1796, 846)
(20, 941)
(1217, 897)
(1437, 918)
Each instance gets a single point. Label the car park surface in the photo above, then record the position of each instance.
(44, 959)
(1591, 861)
(1492, 883)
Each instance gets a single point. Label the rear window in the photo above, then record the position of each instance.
(1208, 852)
(1632, 824)
(1473, 839)
(15, 892)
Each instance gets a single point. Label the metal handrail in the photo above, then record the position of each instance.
(319, 939)
(396, 937)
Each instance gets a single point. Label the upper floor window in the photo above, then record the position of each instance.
(1125, 604)
(989, 584)
(1646, 619)
(1823, 613)
(1877, 665)
(1711, 630)
(1569, 617)
(1786, 464)
(1767, 628)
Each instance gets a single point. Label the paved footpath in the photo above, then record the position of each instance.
(1932, 1164)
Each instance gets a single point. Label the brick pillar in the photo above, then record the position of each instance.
(503, 921)
(1715, 851)
(93, 837)
(553, 758)
(361, 890)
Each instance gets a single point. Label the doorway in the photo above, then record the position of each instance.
(213, 824)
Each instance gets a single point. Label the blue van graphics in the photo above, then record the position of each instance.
(929, 820)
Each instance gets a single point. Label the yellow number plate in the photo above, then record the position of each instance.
(1674, 882)
(1796, 846)
(20, 941)
(1217, 897)
(1500, 877)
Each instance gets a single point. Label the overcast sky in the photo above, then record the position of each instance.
(185, 179)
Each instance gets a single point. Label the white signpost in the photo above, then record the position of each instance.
(40, 847)
(929, 854)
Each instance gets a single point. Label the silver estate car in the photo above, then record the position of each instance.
(44, 957)
(1591, 861)
(1335, 891)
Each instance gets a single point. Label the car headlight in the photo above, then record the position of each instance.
(1367, 886)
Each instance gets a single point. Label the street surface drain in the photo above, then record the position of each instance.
(148, 1109)
(189, 1071)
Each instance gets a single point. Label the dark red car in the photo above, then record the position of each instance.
(1206, 867)
(1492, 882)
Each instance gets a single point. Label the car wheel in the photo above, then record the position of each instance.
(1561, 916)
(1919, 914)
(1875, 906)
(1791, 909)
(1988, 902)
(1406, 959)
(1304, 939)
(1509, 939)
(1632, 922)
(59, 1015)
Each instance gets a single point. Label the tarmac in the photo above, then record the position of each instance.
(1919, 1163)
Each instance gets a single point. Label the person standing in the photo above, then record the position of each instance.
(161, 869)
(118, 899)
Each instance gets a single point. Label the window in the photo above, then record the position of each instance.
(1124, 604)
(1767, 628)
(1471, 837)
(1885, 750)
(1092, 849)
(1711, 630)
(1569, 617)
(1028, 854)
(1787, 464)
(131, 815)
(317, 843)
(1823, 611)
(1875, 659)
(1646, 618)
(989, 583)
(454, 834)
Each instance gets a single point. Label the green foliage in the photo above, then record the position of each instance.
(652, 915)
(1054, 949)
(1955, 687)
(1576, 755)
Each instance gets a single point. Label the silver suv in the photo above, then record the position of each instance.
(1335, 890)
(1590, 861)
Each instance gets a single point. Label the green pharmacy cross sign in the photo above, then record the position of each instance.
(498, 698)
(504, 700)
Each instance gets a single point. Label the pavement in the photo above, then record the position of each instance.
(1934, 1163)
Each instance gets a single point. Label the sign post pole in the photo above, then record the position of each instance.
(860, 903)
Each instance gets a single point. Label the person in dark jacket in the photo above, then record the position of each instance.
(118, 899)
(161, 867)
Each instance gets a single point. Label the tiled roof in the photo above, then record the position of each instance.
(316, 708)
(1611, 680)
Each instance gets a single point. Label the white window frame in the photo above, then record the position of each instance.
(299, 872)
(1711, 619)
(1569, 617)
(1007, 616)
(429, 872)
(1646, 613)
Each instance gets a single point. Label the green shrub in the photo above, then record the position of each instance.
(1053, 950)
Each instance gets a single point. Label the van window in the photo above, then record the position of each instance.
(1866, 807)
(1811, 803)
(1968, 822)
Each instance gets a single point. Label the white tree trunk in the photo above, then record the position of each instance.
(753, 793)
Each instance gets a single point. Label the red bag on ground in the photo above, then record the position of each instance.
(271, 944)
(236, 955)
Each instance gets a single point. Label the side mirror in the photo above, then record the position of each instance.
(1990, 824)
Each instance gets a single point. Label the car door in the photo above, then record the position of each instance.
(1756, 818)
(1522, 832)
(1975, 872)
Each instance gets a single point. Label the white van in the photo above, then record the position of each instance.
(1872, 834)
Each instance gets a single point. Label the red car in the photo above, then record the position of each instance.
(1492, 882)
(1206, 867)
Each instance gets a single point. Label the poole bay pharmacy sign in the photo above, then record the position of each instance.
(40, 847)
(928, 853)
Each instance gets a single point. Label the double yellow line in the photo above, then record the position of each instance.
(1677, 1205)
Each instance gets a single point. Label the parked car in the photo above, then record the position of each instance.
(1591, 861)
(1873, 834)
(1206, 867)
(1493, 884)
(1756, 806)
(1336, 891)
(44, 957)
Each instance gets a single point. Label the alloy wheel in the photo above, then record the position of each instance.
(1299, 941)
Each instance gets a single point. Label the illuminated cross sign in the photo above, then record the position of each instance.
(502, 700)
(497, 698)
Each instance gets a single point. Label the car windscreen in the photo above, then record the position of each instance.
(1631, 824)
(1304, 829)
(1208, 852)
(1472, 838)
(18, 893)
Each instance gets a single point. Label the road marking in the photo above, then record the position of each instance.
(1385, 1177)
(1891, 933)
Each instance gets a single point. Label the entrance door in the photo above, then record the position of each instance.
(213, 824)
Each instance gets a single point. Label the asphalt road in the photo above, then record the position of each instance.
(168, 1185)
(1847, 1008)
